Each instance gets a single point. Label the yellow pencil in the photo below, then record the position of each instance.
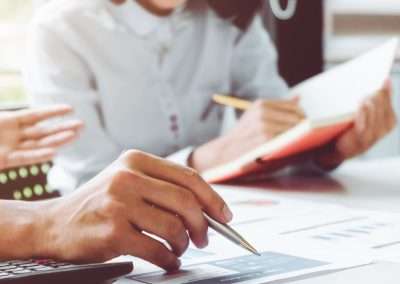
(232, 102)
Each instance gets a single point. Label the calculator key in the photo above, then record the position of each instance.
(15, 269)
(62, 265)
(43, 268)
(22, 272)
(39, 267)
(2, 264)
(28, 265)
(8, 267)
(19, 262)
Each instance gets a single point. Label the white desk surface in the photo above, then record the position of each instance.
(371, 185)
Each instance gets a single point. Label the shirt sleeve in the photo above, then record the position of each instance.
(254, 71)
(56, 74)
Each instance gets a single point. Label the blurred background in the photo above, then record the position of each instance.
(321, 35)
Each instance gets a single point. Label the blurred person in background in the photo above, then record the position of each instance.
(141, 74)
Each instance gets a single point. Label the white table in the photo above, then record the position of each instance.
(371, 185)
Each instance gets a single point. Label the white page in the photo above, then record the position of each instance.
(261, 218)
(227, 263)
(372, 233)
(341, 90)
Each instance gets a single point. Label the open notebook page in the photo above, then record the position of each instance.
(341, 90)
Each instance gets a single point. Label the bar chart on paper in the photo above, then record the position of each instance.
(351, 232)
(375, 233)
(234, 270)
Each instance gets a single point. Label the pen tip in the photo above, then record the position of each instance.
(252, 249)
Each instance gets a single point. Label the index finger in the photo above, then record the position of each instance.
(33, 116)
(185, 177)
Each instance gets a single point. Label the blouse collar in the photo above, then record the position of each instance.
(138, 19)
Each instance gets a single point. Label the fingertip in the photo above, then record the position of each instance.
(173, 265)
(77, 125)
(200, 244)
(199, 237)
(69, 134)
(388, 84)
(227, 213)
(81, 124)
(63, 108)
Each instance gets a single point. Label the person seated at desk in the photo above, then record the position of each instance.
(141, 74)
(108, 216)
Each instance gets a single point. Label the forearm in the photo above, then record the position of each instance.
(19, 229)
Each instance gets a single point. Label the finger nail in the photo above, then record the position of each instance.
(174, 266)
(227, 213)
(178, 263)
(204, 243)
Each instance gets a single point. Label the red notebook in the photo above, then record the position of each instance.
(330, 101)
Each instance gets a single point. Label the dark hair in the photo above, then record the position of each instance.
(241, 12)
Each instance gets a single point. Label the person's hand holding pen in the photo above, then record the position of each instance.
(261, 121)
(113, 214)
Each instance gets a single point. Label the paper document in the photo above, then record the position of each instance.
(372, 233)
(270, 266)
(262, 219)
(341, 90)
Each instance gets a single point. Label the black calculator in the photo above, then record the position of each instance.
(49, 271)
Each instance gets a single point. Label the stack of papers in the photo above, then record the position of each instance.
(295, 238)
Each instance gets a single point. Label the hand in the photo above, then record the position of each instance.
(113, 214)
(24, 141)
(265, 120)
(374, 120)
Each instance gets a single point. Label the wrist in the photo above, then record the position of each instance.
(42, 240)
(19, 225)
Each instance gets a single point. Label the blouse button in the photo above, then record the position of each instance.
(174, 127)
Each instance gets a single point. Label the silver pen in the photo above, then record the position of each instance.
(230, 234)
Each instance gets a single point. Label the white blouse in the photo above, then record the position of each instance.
(142, 81)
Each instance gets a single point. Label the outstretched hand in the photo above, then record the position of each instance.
(24, 141)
